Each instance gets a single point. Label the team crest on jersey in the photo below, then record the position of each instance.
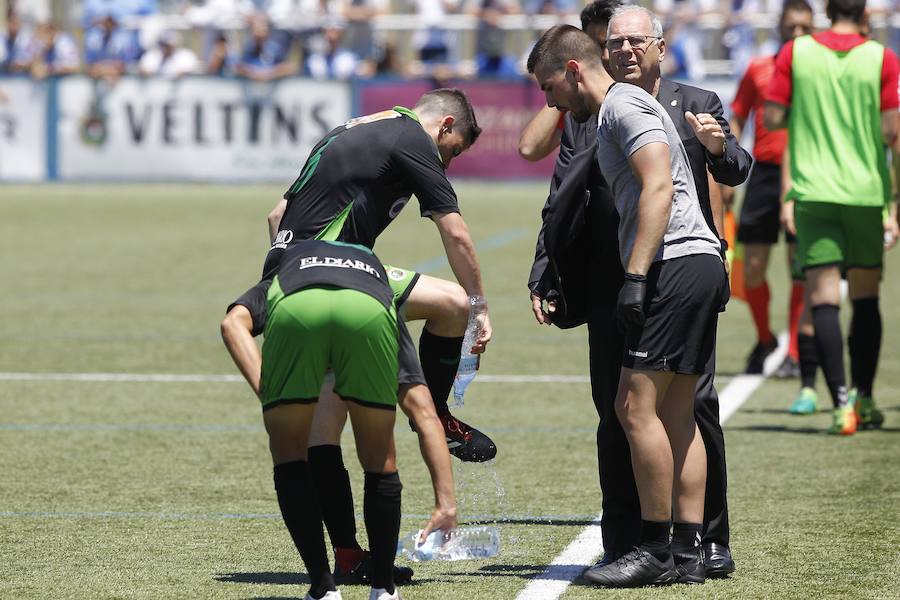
(396, 274)
(397, 206)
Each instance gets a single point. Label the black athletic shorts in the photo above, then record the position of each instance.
(410, 370)
(760, 219)
(682, 311)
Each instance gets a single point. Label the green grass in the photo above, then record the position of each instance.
(159, 490)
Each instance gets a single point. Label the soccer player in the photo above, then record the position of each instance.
(594, 302)
(339, 196)
(837, 94)
(761, 209)
(325, 306)
(674, 284)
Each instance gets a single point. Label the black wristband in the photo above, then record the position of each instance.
(635, 277)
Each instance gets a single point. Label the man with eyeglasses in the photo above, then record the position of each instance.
(674, 283)
(566, 221)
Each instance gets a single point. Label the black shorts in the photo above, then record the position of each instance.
(760, 219)
(682, 311)
(410, 370)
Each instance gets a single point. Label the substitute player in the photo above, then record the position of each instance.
(355, 182)
(841, 90)
(760, 219)
(326, 306)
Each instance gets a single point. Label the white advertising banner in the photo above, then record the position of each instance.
(23, 130)
(195, 128)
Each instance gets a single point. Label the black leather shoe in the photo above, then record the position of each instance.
(689, 566)
(635, 569)
(717, 559)
(607, 558)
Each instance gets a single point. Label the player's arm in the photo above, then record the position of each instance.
(542, 134)
(433, 446)
(237, 328)
(274, 218)
(775, 116)
(716, 204)
(787, 204)
(650, 167)
(463, 261)
(890, 119)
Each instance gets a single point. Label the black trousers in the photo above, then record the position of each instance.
(621, 520)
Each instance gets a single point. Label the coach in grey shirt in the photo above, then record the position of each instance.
(630, 119)
(674, 284)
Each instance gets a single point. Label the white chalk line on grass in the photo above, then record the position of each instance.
(553, 581)
(213, 378)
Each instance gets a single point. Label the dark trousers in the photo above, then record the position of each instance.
(621, 520)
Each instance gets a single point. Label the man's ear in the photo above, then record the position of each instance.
(447, 123)
(662, 48)
(574, 68)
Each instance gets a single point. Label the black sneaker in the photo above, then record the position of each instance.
(465, 442)
(758, 357)
(607, 558)
(689, 566)
(635, 569)
(359, 572)
(789, 369)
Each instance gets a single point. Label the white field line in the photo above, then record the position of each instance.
(211, 378)
(553, 581)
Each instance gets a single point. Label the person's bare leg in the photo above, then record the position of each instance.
(688, 452)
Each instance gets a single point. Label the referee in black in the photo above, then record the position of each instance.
(577, 238)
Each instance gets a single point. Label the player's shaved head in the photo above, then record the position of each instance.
(560, 44)
(453, 102)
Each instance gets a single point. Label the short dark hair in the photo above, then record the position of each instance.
(845, 10)
(794, 5)
(562, 43)
(598, 12)
(454, 102)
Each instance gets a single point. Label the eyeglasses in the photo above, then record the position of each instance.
(637, 42)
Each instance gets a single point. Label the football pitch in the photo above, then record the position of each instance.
(134, 464)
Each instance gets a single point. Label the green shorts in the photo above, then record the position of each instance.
(315, 329)
(837, 234)
(402, 282)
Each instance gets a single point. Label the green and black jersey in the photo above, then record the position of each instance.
(359, 177)
(314, 264)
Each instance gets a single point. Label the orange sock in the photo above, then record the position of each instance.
(758, 298)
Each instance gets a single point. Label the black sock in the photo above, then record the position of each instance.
(655, 538)
(864, 343)
(381, 507)
(326, 465)
(809, 359)
(300, 511)
(830, 347)
(686, 538)
(440, 359)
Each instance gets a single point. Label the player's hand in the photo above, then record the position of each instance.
(630, 305)
(481, 343)
(442, 518)
(708, 131)
(537, 306)
(787, 217)
(891, 233)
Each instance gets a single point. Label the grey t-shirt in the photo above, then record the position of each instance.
(630, 118)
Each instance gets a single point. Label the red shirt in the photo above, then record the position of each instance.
(768, 146)
(780, 91)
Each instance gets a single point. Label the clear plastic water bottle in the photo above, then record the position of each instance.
(468, 362)
(465, 543)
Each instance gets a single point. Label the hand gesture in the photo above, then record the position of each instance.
(708, 131)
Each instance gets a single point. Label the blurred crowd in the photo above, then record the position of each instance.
(341, 39)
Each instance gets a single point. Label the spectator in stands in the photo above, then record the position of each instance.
(168, 58)
(219, 60)
(13, 45)
(330, 60)
(360, 34)
(109, 50)
(434, 43)
(265, 56)
(51, 52)
(490, 41)
(95, 10)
